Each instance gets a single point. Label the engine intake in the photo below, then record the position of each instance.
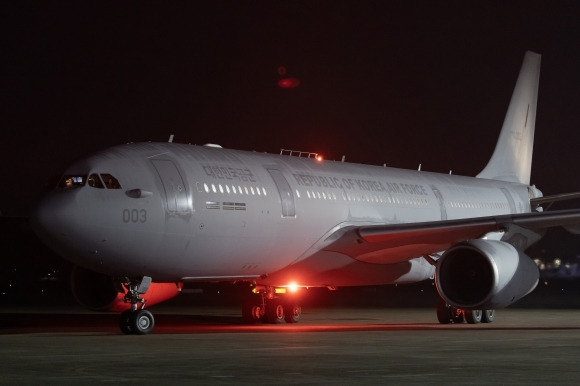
(484, 274)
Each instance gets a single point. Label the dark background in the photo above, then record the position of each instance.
(398, 82)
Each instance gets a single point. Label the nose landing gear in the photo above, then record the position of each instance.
(136, 320)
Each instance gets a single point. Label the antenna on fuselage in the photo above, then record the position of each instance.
(170, 138)
(419, 167)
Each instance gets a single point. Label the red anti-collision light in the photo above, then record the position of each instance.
(288, 83)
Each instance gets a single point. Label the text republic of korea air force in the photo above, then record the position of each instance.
(139, 220)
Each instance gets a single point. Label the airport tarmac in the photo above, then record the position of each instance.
(329, 346)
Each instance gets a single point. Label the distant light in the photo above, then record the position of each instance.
(281, 70)
(288, 83)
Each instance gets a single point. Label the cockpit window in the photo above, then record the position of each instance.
(72, 181)
(110, 181)
(95, 182)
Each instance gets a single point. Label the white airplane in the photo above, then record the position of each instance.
(139, 220)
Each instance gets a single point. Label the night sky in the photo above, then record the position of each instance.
(398, 82)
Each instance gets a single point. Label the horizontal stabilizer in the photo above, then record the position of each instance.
(550, 200)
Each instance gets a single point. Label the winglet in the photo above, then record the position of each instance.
(512, 158)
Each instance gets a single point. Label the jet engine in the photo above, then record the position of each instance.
(99, 292)
(484, 275)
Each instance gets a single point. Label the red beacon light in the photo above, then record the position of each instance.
(319, 158)
(288, 83)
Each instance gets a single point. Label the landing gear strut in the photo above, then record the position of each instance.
(446, 313)
(136, 320)
(266, 306)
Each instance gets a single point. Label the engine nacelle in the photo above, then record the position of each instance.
(99, 292)
(485, 275)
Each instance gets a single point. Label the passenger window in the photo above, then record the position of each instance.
(72, 181)
(110, 181)
(95, 182)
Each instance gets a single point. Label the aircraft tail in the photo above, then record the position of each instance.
(512, 157)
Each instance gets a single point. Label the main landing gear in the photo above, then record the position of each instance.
(136, 320)
(265, 305)
(446, 314)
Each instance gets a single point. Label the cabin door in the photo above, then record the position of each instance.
(286, 195)
(175, 191)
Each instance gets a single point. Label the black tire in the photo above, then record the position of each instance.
(292, 313)
(443, 312)
(487, 316)
(142, 322)
(473, 316)
(125, 322)
(274, 311)
(252, 310)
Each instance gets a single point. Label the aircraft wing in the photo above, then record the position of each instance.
(384, 244)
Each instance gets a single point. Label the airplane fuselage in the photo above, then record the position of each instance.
(182, 212)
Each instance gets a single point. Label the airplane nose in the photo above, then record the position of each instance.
(53, 219)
